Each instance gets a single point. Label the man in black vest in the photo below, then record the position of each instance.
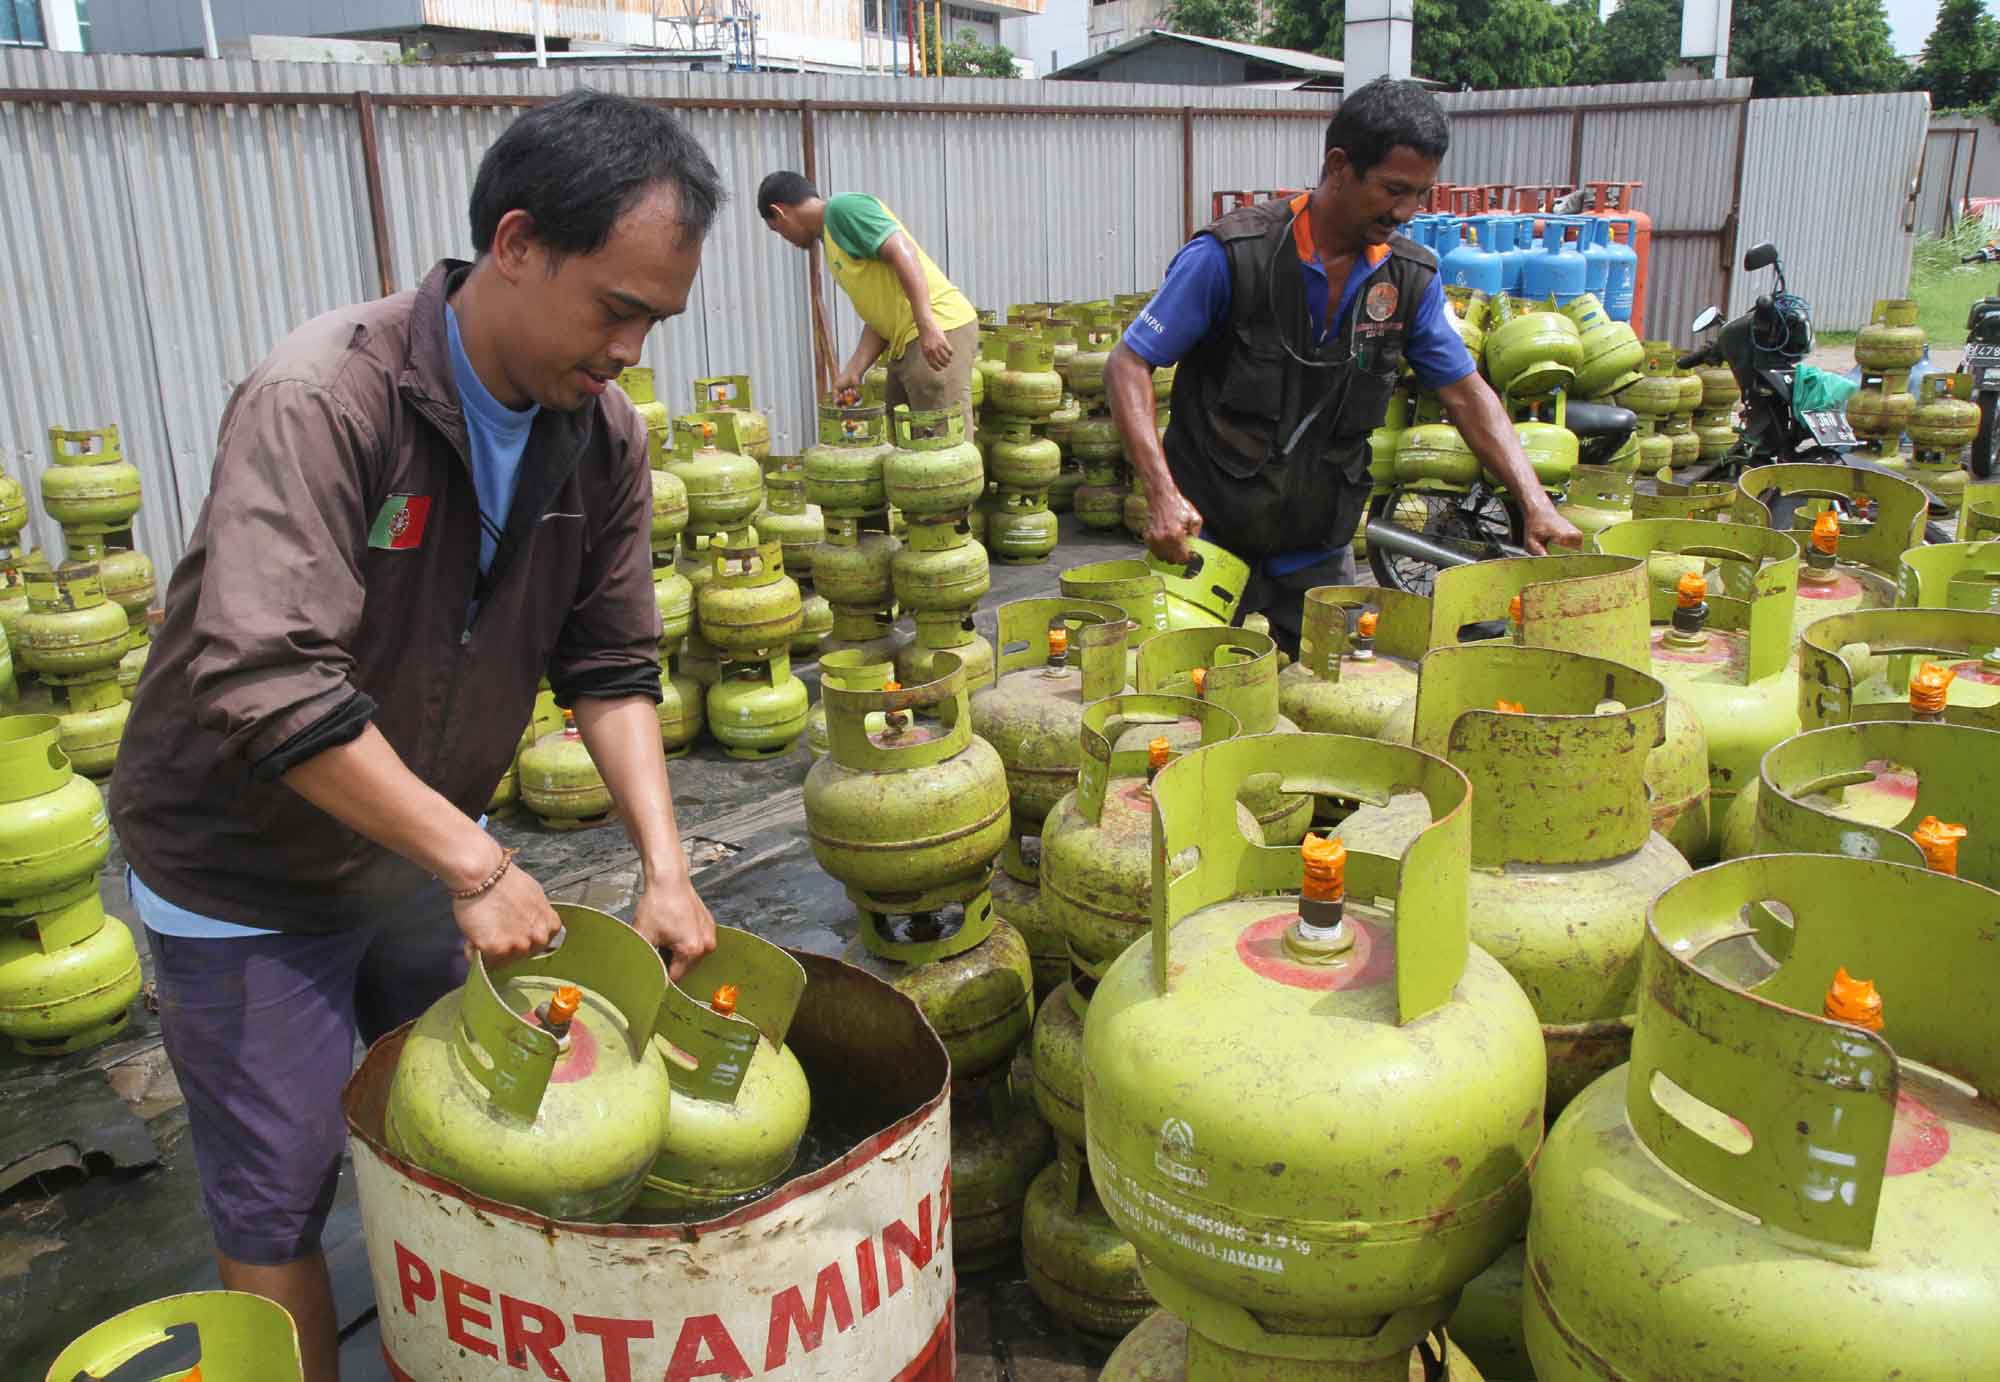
(1278, 387)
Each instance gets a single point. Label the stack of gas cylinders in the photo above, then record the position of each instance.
(77, 634)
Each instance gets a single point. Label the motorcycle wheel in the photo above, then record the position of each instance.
(1450, 520)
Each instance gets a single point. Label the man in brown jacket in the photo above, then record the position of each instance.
(419, 507)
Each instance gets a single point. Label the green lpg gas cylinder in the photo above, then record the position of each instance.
(670, 508)
(90, 487)
(1864, 665)
(1098, 330)
(1551, 448)
(1055, 656)
(1613, 354)
(537, 1084)
(1565, 860)
(939, 569)
(1950, 575)
(1945, 422)
(815, 623)
(1878, 413)
(682, 709)
(1282, 997)
(1204, 591)
(1097, 842)
(749, 608)
(1596, 497)
(856, 668)
(788, 519)
(1017, 900)
(844, 470)
(673, 597)
(1236, 669)
(731, 395)
(127, 576)
(853, 567)
(71, 631)
(911, 807)
(1892, 340)
(933, 474)
(1530, 349)
(1852, 526)
(724, 486)
(13, 509)
(758, 709)
(203, 1336)
(1019, 459)
(1350, 676)
(863, 629)
(997, 1146)
(1082, 1269)
(1720, 393)
(1866, 789)
(1656, 394)
(1028, 385)
(1134, 586)
(1435, 451)
(1157, 1351)
(740, 1100)
(1793, 1178)
(637, 382)
(1724, 648)
(1597, 606)
(560, 782)
(1095, 439)
(1021, 530)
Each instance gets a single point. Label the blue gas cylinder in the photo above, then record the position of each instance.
(1594, 239)
(1468, 264)
(1558, 271)
(1508, 233)
(1623, 278)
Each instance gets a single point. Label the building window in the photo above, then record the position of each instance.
(21, 24)
(875, 14)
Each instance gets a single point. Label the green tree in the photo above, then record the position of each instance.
(1961, 65)
(1309, 26)
(1235, 20)
(1639, 43)
(1813, 47)
(1484, 45)
(966, 56)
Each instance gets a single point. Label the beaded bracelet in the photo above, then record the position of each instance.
(493, 878)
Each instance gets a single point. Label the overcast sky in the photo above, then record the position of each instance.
(1910, 23)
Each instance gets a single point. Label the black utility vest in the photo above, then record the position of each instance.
(1263, 483)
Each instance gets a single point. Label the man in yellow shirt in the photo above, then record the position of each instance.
(900, 295)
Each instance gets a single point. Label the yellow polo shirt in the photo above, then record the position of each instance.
(856, 226)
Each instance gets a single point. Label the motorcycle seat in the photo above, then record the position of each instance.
(1589, 420)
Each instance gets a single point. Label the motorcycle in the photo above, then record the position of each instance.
(1982, 361)
(1422, 519)
(1763, 349)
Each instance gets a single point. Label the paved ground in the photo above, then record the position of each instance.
(88, 1227)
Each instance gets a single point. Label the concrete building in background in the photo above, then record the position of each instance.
(61, 25)
(846, 36)
(1051, 40)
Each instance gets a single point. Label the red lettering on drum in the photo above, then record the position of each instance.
(706, 1333)
(614, 1342)
(788, 1311)
(527, 1328)
(415, 1276)
(898, 1242)
(458, 1315)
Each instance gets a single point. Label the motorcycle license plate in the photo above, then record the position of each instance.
(1982, 362)
(1830, 428)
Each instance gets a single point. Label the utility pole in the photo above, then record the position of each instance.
(1705, 34)
(541, 48)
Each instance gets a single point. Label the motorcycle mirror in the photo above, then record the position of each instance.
(1707, 319)
(1761, 256)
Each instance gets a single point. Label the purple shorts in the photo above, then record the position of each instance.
(261, 1030)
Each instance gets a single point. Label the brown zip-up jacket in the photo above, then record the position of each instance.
(332, 581)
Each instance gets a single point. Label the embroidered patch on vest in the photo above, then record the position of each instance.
(1380, 304)
(400, 524)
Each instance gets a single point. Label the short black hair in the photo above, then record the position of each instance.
(579, 162)
(783, 189)
(1384, 114)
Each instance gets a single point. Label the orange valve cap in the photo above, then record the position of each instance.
(1199, 676)
(1365, 625)
(707, 432)
(1058, 642)
(1691, 590)
(1325, 862)
(1514, 610)
(1826, 532)
(1930, 688)
(1854, 1000)
(1939, 842)
(569, 724)
(1157, 752)
(724, 1001)
(563, 1006)
(1508, 707)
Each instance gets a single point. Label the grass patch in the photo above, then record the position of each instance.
(1945, 289)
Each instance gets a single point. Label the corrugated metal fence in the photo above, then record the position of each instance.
(1961, 159)
(154, 250)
